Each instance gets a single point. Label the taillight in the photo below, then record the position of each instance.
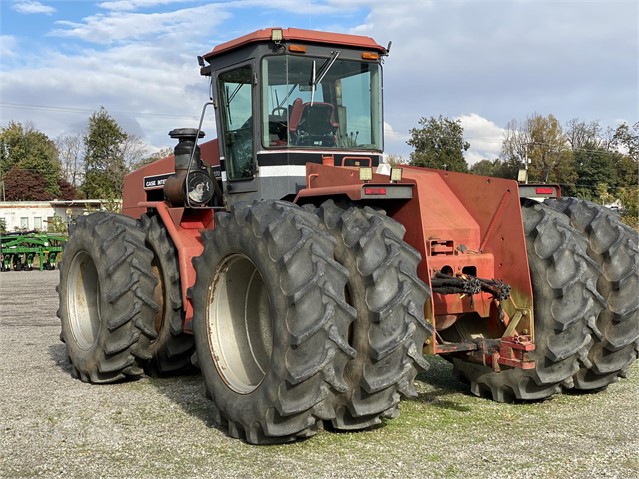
(544, 191)
(374, 190)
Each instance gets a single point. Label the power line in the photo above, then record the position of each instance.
(85, 110)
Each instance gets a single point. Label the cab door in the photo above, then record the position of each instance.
(236, 130)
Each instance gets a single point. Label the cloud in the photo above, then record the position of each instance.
(484, 136)
(132, 5)
(32, 7)
(505, 60)
(498, 60)
(8, 45)
(115, 27)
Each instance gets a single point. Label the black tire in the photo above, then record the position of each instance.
(613, 246)
(172, 350)
(389, 331)
(106, 298)
(272, 366)
(566, 302)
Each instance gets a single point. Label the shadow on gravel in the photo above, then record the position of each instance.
(58, 354)
(442, 384)
(185, 392)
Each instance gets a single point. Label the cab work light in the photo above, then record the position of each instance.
(395, 175)
(365, 173)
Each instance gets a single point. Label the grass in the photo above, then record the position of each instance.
(164, 428)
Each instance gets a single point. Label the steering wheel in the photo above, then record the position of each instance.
(280, 111)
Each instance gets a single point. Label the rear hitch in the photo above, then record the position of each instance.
(508, 351)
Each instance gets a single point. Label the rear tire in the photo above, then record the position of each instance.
(565, 303)
(389, 331)
(106, 298)
(172, 350)
(270, 322)
(613, 246)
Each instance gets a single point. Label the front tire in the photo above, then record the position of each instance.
(172, 350)
(106, 298)
(389, 331)
(270, 322)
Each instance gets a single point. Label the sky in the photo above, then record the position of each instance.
(482, 62)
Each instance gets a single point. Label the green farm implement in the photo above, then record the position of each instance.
(19, 250)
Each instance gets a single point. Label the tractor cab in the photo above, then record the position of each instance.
(287, 97)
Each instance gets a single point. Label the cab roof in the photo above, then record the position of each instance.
(299, 35)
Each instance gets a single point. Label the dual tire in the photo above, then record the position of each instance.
(306, 316)
(107, 306)
(583, 267)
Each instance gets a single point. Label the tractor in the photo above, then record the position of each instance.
(308, 280)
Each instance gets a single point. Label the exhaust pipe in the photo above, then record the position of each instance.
(188, 187)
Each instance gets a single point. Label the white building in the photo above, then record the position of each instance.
(35, 215)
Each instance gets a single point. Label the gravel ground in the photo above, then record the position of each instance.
(54, 426)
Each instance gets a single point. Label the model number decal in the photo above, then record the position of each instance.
(156, 181)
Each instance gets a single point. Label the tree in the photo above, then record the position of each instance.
(135, 152)
(68, 192)
(541, 142)
(25, 185)
(69, 153)
(439, 143)
(580, 134)
(25, 148)
(158, 155)
(628, 138)
(104, 164)
(594, 166)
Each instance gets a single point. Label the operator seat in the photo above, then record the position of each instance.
(313, 124)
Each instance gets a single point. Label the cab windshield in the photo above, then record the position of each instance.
(321, 103)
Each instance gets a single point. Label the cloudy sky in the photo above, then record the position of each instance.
(484, 62)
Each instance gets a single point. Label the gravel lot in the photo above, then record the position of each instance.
(54, 426)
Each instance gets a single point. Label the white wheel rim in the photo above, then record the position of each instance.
(83, 300)
(239, 324)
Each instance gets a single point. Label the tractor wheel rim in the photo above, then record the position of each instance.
(83, 300)
(240, 324)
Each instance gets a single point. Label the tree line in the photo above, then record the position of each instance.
(89, 165)
(587, 160)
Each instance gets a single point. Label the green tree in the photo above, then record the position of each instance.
(594, 165)
(439, 143)
(104, 164)
(27, 149)
(627, 137)
(495, 168)
(629, 197)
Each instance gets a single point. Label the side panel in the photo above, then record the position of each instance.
(469, 224)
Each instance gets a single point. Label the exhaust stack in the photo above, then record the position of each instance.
(190, 187)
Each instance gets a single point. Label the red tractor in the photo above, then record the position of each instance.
(307, 279)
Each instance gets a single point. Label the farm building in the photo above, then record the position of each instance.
(35, 215)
